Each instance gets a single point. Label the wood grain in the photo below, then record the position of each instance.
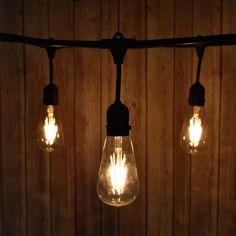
(227, 187)
(204, 179)
(41, 194)
(36, 76)
(88, 120)
(13, 192)
(133, 94)
(182, 82)
(160, 92)
(109, 22)
(63, 161)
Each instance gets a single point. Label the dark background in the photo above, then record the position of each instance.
(56, 195)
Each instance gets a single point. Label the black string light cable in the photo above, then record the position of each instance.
(50, 96)
(118, 81)
(118, 183)
(209, 40)
(118, 113)
(200, 52)
(194, 134)
(50, 135)
(197, 90)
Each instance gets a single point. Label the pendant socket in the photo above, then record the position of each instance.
(196, 95)
(118, 120)
(50, 95)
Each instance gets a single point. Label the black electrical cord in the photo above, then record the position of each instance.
(209, 40)
(200, 52)
(51, 53)
(118, 81)
(197, 90)
(50, 94)
(118, 113)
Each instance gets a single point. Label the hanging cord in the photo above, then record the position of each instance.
(118, 81)
(51, 53)
(118, 113)
(197, 90)
(50, 94)
(118, 50)
(200, 52)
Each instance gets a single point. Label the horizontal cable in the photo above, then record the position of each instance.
(210, 40)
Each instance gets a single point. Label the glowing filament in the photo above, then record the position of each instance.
(50, 127)
(118, 171)
(195, 130)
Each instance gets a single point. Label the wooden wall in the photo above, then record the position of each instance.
(43, 194)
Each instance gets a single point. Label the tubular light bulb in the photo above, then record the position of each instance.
(118, 183)
(195, 130)
(50, 131)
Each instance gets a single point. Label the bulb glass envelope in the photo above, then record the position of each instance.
(195, 130)
(50, 133)
(118, 183)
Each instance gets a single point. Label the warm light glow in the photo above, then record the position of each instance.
(118, 171)
(50, 133)
(118, 183)
(50, 126)
(195, 130)
(194, 134)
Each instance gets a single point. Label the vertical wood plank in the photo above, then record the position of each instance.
(109, 23)
(206, 20)
(62, 162)
(182, 82)
(88, 121)
(36, 75)
(227, 183)
(160, 120)
(133, 94)
(12, 123)
(159, 106)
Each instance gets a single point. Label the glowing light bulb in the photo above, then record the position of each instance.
(118, 183)
(195, 130)
(118, 171)
(50, 131)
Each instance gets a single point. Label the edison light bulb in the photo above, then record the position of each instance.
(195, 130)
(118, 183)
(50, 131)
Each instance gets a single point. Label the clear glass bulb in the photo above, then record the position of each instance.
(118, 183)
(50, 133)
(194, 135)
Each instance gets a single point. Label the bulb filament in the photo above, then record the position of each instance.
(118, 171)
(195, 130)
(50, 126)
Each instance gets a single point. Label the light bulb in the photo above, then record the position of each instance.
(50, 135)
(194, 135)
(118, 183)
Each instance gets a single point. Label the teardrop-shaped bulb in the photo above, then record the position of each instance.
(118, 183)
(194, 135)
(50, 133)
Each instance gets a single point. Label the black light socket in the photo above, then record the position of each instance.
(118, 120)
(196, 95)
(50, 95)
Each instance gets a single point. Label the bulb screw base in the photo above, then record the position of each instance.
(50, 95)
(118, 120)
(196, 95)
